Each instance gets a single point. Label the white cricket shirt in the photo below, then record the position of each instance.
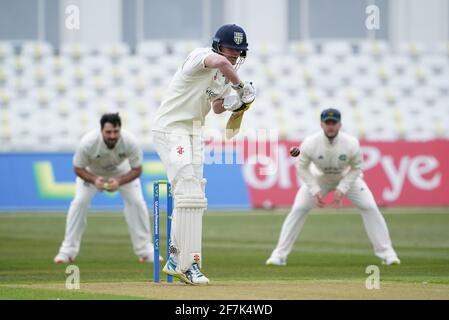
(189, 95)
(93, 154)
(336, 165)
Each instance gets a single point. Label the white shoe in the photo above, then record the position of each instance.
(276, 261)
(149, 259)
(391, 261)
(195, 276)
(63, 258)
(170, 269)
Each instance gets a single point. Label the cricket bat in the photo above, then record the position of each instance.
(233, 124)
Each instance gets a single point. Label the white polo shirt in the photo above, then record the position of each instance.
(189, 95)
(93, 154)
(335, 165)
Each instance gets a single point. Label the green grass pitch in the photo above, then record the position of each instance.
(328, 260)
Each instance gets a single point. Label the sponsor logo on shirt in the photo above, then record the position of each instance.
(332, 170)
(211, 94)
(121, 155)
(342, 157)
(109, 167)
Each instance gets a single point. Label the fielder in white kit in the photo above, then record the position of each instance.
(202, 82)
(108, 160)
(331, 160)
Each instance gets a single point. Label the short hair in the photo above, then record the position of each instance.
(112, 118)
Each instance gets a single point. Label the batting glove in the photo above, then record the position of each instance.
(234, 104)
(246, 91)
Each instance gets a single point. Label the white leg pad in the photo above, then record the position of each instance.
(203, 185)
(190, 204)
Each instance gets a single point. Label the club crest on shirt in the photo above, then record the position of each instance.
(179, 150)
(342, 157)
(238, 37)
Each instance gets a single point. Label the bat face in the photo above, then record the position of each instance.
(235, 121)
(233, 124)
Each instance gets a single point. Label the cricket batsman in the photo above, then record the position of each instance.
(108, 160)
(331, 160)
(206, 80)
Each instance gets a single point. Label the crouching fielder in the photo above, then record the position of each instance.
(331, 161)
(108, 160)
(203, 81)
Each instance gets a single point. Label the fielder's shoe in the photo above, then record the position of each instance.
(391, 261)
(276, 261)
(149, 259)
(63, 258)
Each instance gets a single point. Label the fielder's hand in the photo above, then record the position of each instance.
(337, 199)
(319, 200)
(246, 91)
(99, 183)
(112, 185)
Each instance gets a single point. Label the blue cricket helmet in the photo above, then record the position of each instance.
(230, 36)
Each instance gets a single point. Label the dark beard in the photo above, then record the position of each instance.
(110, 145)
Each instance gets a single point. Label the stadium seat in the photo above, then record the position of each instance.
(6, 51)
(379, 91)
(37, 50)
(302, 49)
(374, 48)
(338, 49)
(75, 51)
(413, 49)
(114, 51)
(182, 48)
(151, 51)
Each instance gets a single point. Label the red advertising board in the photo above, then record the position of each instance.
(398, 173)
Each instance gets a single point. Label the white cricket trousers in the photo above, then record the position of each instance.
(182, 156)
(135, 211)
(360, 196)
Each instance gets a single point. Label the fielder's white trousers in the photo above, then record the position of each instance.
(360, 196)
(135, 211)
